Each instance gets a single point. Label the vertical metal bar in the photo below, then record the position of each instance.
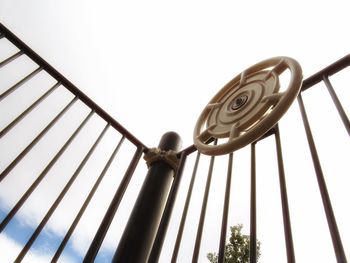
(30, 190)
(37, 138)
(141, 229)
(337, 103)
(10, 59)
(185, 210)
(107, 219)
(59, 198)
(86, 203)
(332, 224)
(28, 110)
(19, 83)
(222, 244)
(163, 226)
(203, 210)
(252, 250)
(284, 200)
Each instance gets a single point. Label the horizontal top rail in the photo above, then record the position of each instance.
(328, 71)
(69, 85)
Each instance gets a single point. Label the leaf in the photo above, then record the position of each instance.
(237, 249)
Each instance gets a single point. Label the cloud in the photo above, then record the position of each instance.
(10, 249)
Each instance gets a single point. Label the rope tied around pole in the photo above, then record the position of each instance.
(156, 154)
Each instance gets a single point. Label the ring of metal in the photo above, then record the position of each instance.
(247, 107)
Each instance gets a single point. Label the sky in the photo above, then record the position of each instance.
(154, 66)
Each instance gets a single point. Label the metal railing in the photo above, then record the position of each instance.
(154, 251)
(94, 110)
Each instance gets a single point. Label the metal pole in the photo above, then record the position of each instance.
(113, 207)
(164, 222)
(199, 234)
(326, 200)
(253, 254)
(185, 211)
(284, 200)
(222, 243)
(139, 234)
(337, 103)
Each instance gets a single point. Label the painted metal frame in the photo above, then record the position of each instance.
(160, 227)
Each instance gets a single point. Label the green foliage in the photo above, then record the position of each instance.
(237, 250)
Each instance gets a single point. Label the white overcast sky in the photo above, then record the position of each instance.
(154, 65)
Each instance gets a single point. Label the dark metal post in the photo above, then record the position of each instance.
(164, 222)
(253, 254)
(139, 234)
(337, 103)
(199, 234)
(222, 243)
(284, 200)
(327, 205)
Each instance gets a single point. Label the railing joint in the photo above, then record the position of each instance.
(156, 154)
